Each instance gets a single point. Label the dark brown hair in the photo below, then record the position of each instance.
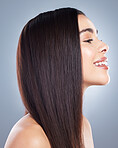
(49, 75)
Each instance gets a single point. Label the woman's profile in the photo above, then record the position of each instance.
(59, 56)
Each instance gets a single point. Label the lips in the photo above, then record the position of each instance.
(101, 60)
(103, 67)
(102, 63)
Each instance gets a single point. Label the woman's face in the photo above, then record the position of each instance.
(92, 50)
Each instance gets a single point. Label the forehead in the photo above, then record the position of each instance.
(84, 23)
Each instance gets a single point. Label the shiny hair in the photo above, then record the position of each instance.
(49, 75)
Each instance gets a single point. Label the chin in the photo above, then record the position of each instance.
(101, 80)
(104, 80)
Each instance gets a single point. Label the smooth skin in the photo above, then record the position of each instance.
(91, 52)
(26, 133)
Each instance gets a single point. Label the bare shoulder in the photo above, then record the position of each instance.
(87, 131)
(86, 123)
(26, 133)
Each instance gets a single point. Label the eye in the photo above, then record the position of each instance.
(89, 41)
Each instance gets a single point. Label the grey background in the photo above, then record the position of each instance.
(100, 102)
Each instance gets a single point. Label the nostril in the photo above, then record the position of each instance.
(104, 50)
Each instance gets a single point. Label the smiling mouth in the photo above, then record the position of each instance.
(103, 66)
(102, 63)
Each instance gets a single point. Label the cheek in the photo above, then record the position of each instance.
(88, 56)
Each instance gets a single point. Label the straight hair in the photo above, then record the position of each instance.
(49, 75)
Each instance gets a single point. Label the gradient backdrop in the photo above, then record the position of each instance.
(100, 102)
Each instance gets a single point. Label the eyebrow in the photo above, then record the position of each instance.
(88, 29)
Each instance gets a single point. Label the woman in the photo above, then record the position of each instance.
(59, 55)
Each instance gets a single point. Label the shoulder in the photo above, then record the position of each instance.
(86, 123)
(87, 132)
(27, 136)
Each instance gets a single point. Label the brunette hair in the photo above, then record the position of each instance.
(49, 75)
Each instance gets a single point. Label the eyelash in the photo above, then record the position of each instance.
(89, 41)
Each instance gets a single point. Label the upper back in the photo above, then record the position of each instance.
(26, 133)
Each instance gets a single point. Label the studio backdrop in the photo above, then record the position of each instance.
(100, 104)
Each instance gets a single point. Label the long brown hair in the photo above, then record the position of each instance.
(49, 75)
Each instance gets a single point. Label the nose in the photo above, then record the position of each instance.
(104, 47)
